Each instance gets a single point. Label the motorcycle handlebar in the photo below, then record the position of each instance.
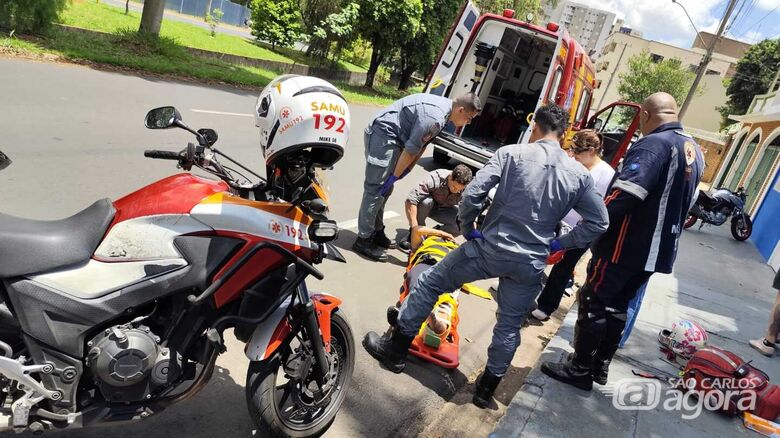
(162, 155)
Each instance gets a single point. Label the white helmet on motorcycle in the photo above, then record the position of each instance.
(684, 338)
(296, 113)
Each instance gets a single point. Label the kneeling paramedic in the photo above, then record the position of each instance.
(647, 204)
(537, 184)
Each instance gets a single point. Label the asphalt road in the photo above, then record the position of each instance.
(77, 135)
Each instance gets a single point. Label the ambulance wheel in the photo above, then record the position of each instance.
(440, 157)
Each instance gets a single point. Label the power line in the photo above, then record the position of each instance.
(760, 20)
(737, 15)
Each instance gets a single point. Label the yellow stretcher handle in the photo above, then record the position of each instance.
(476, 291)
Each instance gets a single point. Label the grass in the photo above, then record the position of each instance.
(88, 14)
(128, 50)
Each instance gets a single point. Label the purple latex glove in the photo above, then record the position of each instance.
(385, 190)
(474, 234)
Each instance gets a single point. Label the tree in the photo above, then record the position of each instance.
(212, 19)
(418, 53)
(29, 15)
(521, 7)
(645, 77)
(207, 14)
(754, 74)
(339, 27)
(151, 17)
(276, 21)
(387, 24)
(313, 15)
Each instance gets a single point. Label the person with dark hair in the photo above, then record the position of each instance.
(586, 149)
(536, 185)
(437, 197)
(648, 202)
(394, 141)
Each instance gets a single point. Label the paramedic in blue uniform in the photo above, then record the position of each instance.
(394, 141)
(536, 186)
(647, 203)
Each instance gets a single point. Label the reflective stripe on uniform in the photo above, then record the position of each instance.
(655, 244)
(631, 188)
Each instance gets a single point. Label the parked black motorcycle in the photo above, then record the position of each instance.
(716, 207)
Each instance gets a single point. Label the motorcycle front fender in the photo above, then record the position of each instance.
(276, 330)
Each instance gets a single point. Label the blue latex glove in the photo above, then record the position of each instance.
(555, 246)
(388, 185)
(474, 234)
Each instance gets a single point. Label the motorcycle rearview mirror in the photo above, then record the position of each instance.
(164, 117)
(4, 161)
(209, 136)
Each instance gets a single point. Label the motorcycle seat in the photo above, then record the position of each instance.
(31, 246)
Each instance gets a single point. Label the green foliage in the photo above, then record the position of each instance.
(212, 19)
(419, 52)
(339, 27)
(521, 7)
(646, 77)
(276, 21)
(755, 72)
(163, 55)
(29, 15)
(387, 24)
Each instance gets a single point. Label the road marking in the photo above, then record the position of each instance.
(221, 113)
(352, 223)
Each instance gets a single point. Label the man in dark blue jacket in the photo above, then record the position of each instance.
(647, 204)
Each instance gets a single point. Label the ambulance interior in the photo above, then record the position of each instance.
(511, 85)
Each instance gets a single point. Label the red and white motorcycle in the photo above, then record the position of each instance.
(118, 312)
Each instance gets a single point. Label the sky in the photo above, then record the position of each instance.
(662, 20)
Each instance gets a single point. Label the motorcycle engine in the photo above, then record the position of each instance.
(127, 363)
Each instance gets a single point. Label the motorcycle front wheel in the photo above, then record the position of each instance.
(690, 221)
(284, 399)
(741, 227)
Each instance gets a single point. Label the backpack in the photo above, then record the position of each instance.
(723, 376)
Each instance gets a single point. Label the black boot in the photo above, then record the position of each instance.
(608, 347)
(486, 386)
(367, 248)
(406, 243)
(600, 371)
(569, 372)
(381, 240)
(389, 349)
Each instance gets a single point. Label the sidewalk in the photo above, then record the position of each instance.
(723, 284)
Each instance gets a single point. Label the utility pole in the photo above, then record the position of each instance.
(612, 76)
(702, 69)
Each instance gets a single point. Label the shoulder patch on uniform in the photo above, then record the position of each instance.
(690, 152)
(633, 166)
(432, 132)
(683, 133)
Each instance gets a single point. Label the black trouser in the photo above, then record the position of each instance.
(559, 277)
(603, 302)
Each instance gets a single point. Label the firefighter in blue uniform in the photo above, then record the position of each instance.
(647, 204)
(394, 141)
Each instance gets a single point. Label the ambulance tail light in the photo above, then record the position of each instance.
(553, 27)
(509, 13)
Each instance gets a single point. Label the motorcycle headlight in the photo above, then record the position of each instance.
(323, 231)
